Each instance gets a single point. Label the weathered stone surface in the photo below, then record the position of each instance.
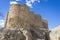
(11, 35)
(21, 24)
(55, 33)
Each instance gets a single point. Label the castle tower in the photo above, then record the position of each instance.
(13, 15)
(16, 15)
(21, 18)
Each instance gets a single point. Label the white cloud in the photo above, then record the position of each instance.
(30, 2)
(13, 2)
(35, 0)
(38, 1)
(17, 0)
(1, 23)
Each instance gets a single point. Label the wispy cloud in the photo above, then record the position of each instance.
(1, 23)
(17, 0)
(30, 2)
(13, 2)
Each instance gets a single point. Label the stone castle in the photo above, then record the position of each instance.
(21, 24)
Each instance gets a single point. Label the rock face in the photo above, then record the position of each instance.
(55, 33)
(21, 24)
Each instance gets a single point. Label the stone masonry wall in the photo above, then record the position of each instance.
(21, 18)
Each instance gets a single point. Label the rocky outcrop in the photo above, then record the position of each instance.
(55, 33)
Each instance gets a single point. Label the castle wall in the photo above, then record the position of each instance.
(38, 20)
(13, 15)
(45, 24)
(18, 17)
(6, 19)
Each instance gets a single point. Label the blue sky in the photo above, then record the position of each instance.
(48, 9)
